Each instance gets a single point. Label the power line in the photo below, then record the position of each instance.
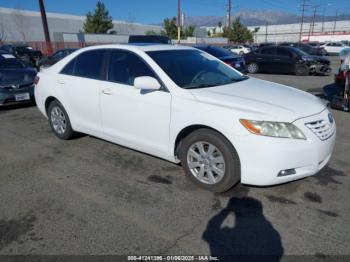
(303, 5)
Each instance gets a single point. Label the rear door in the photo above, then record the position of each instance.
(79, 84)
(266, 59)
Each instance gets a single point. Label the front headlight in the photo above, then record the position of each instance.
(274, 129)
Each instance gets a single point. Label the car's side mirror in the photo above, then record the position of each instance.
(146, 83)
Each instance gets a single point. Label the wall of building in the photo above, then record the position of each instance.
(26, 26)
(291, 32)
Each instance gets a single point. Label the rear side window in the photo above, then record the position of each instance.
(268, 51)
(124, 67)
(69, 68)
(284, 52)
(88, 64)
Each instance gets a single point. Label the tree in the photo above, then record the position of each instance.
(238, 33)
(98, 22)
(170, 27)
(151, 32)
(189, 31)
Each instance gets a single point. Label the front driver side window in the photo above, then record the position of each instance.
(125, 66)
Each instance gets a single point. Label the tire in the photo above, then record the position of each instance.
(302, 70)
(204, 171)
(241, 53)
(59, 121)
(253, 68)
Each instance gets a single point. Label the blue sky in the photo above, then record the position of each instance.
(154, 11)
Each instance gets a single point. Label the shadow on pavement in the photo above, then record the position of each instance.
(251, 237)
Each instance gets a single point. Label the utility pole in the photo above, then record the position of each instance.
(178, 21)
(303, 5)
(267, 25)
(335, 21)
(323, 17)
(312, 25)
(45, 26)
(229, 7)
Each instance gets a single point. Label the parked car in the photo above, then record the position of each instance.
(226, 56)
(180, 104)
(317, 51)
(334, 48)
(55, 57)
(239, 49)
(160, 39)
(286, 59)
(24, 52)
(16, 80)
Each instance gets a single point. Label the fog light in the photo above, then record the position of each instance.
(287, 172)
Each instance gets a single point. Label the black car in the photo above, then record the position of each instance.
(55, 57)
(16, 80)
(24, 52)
(149, 39)
(226, 56)
(285, 59)
(311, 50)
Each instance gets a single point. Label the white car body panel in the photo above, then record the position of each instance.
(150, 121)
(333, 49)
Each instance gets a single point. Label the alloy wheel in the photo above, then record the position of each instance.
(206, 162)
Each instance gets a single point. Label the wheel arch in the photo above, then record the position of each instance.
(188, 130)
(48, 101)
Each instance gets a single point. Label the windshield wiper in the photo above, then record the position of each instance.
(201, 86)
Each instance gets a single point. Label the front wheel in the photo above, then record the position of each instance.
(59, 121)
(302, 70)
(209, 160)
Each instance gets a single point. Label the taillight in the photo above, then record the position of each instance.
(36, 80)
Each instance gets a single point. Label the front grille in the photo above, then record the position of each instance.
(321, 128)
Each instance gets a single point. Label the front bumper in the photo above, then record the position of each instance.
(263, 158)
(8, 96)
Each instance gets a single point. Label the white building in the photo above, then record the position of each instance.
(291, 32)
(26, 26)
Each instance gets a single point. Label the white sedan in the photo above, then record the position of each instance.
(184, 105)
(240, 49)
(334, 48)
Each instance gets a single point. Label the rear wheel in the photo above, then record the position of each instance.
(59, 121)
(302, 70)
(209, 160)
(253, 68)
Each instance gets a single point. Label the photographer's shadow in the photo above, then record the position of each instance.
(252, 236)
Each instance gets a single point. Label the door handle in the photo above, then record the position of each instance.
(259, 58)
(277, 59)
(61, 82)
(106, 92)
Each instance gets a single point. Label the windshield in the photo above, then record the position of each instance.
(195, 69)
(299, 52)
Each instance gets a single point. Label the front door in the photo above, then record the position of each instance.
(135, 118)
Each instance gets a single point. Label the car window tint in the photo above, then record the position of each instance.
(125, 66)
(69, 68)
(268, 51)
(284, 52)
(89, 64)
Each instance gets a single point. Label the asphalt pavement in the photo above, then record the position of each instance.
(89, 196)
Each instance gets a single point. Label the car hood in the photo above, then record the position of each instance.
(262, 99)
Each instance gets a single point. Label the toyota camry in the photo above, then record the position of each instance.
(186, 106)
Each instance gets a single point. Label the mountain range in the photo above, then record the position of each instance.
(255, 18)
